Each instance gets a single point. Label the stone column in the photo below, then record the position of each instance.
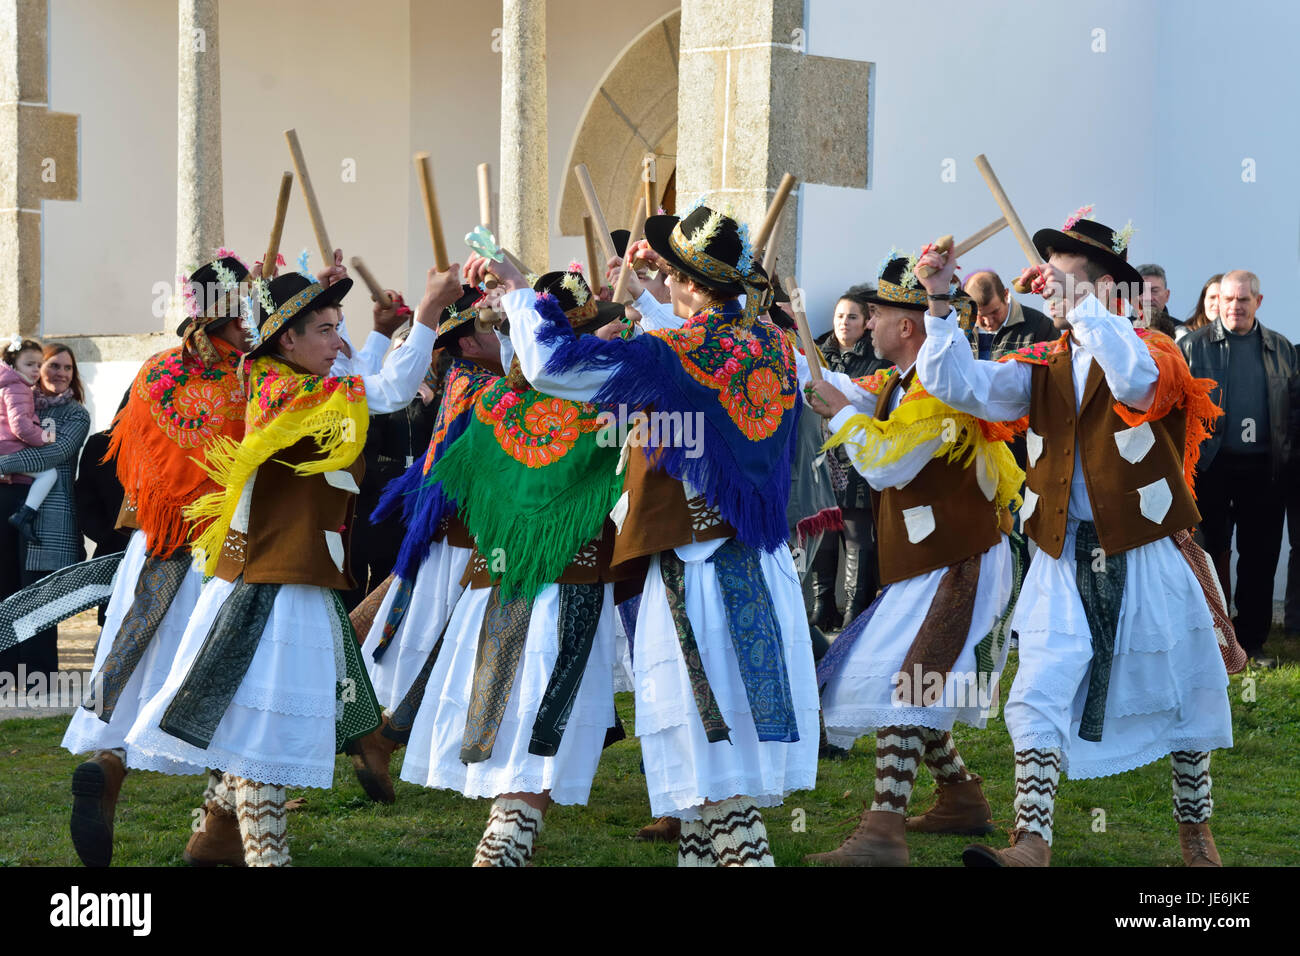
(38, 160)
(199, 214)
(752, 105)
(525, 186)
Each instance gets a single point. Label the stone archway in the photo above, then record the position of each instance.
(626, 119)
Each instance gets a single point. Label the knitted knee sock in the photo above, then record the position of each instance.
(219, 792)
(898, 752)
(1038, 773)
(1191, 771)
(508, 840)
(942, 758)
(736, 830)
(262, 824)
(696, 846)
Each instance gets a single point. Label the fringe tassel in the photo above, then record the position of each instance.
(828, 519)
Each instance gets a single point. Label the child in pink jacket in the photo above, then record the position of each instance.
(20, 428)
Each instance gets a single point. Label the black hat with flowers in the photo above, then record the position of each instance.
(572, 294)
(211, 292)
(458, 319)
(1101, 244)
(897, 284)
(284, 298)
(711, 248)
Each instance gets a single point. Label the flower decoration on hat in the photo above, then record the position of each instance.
(575, 266)
(1122, 238)
(304, 268)
(1083, 212)
(224, 275)
(249, 324)
(893, 253)
(575, 287)
(703, 235)
(908, 279)
(189, 296)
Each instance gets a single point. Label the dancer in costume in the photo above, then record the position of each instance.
(930, 649)
(181, 402)
(1119, 660)
(726, 696)
(268, 682)
(520, 694)
(434, 553)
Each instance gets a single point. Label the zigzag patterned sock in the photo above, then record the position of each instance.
(511, 830)
(1191, 772)
(1038, 773)
(696, 846)
(898, 753)
(219, 791)
(262, 825)
(942, 758)
(736, 829)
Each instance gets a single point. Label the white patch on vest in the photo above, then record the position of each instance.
(920, 523)
(239, 520)
(619, 513)
(625, 451)
(986, 477)
(1034, 446)
(1134, 443)
(342, 480)
(1156, 499)
(334, 541)
(1027, 509)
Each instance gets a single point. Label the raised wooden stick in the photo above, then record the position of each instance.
(1008, 211)
(648, 181)
(769, 254)
(805, 335)
(597, 278)
(634, 235)
(593, 209)
(377, 291)
(944, 243)
(425, 172)
(309, 195)
(485, 197)
(277, 227)
(773, 213)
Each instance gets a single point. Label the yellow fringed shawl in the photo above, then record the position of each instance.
(920, 418)
(284, 407)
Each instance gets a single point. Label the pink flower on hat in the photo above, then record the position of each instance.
(1083, 212)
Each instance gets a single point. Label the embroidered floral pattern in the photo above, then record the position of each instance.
(276, 390)
(752, 369)
(463, 387)
(1039, 352)
(189, 402)
(533, 428)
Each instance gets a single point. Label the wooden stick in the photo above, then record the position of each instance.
(514, 261)
(597, 278)
(773, 213)
(805, 335)
(769, 254)
(277, 227)
(944, 243)
(377, 291)
(309, 195)
(634, 235)
(425, 172)
(593, 208)
(485, 197)
(649, 183)
(1008, 211)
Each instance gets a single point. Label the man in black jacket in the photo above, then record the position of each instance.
(1243, 465)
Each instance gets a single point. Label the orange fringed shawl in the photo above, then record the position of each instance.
(176, 409)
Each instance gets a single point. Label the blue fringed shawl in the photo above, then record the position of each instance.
(707, 367)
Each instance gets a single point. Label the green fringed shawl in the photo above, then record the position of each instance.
(533, 479)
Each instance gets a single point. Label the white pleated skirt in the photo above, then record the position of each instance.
(280, 726)
(433, 752)
(86, 732)
(433, 597)
(865, 693)
(683, 770)
(1168, 683)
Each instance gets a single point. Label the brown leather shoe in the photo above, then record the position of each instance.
(218, 843)
(95, 786)
(878, 840)
(663, 830)
(370, 757)
(1197, 844)
(959, 808)
(1027, 849)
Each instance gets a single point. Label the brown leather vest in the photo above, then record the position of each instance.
(591, 565)
(1113, 481)
(658, 515)
(288, 519)
(965, 523)
(126, 515)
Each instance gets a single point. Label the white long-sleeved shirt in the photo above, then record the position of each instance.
(368, 361)
(1000, 391)
(656, 315)
(394, 383)
(525, 323)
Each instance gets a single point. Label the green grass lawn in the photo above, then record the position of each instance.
(1256, 819)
